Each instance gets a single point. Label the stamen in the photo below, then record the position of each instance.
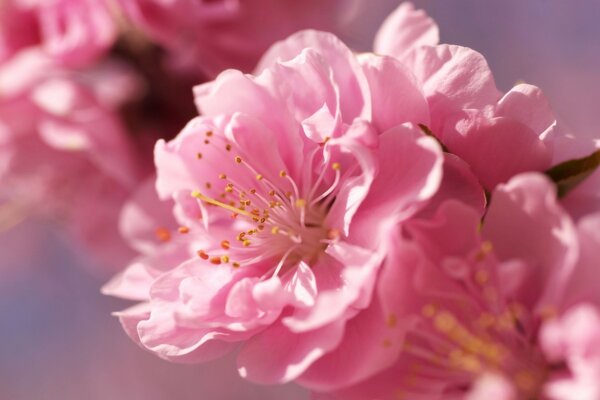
(212, 201)
(330, 189)
(162, 234)
(202, 254)
(283, 260)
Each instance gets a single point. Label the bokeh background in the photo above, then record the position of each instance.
(57, 338)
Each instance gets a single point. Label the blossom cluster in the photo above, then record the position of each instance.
(88, 86)
(372, 226)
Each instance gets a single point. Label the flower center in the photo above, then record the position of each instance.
(276, 217)
(475, 334)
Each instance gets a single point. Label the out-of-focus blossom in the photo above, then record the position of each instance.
(510, 312)
(84, 95)
(207, 37)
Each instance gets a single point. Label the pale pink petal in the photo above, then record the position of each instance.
(346, 72)
(528, 105)
(144, 215)
(370, 344)
(492, 386)
(582, 285)
(497, 148)
(405, 29)
(278, 355)
(526, 222)
(453, 78)
(410, 172)
(574, 339)
(356, 280)
(395, 94)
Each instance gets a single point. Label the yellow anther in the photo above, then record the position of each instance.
(525, 381)
(225, 259)
(275, 230)
(225, 244)
(246, 243)
(300, 203)
(486, 248)
(482, 276)
(391, 320)
(238, 159)
(229, 189)
(218, 203)
(282, 173)
(162, 234)
(428, 310)
(333, 234)
(259, 177)
(202, 254)
(222, 176)
(336, 166)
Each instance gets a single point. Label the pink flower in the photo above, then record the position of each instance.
(210, 36)
(508, 313)
(73, 32)
(497, 135)
(285, 189)
(63, 148)
(66, 121)
(312, 218)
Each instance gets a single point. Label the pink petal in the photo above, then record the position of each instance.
(458, 183)
(526, 222)
(405, 29)
(369, 345)
(453, 78)
(528, 105)
(142, 215)
(347, 74)
(395, 94)
(278, 355)
(410, 172)
(497, 148)
(357, 271)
